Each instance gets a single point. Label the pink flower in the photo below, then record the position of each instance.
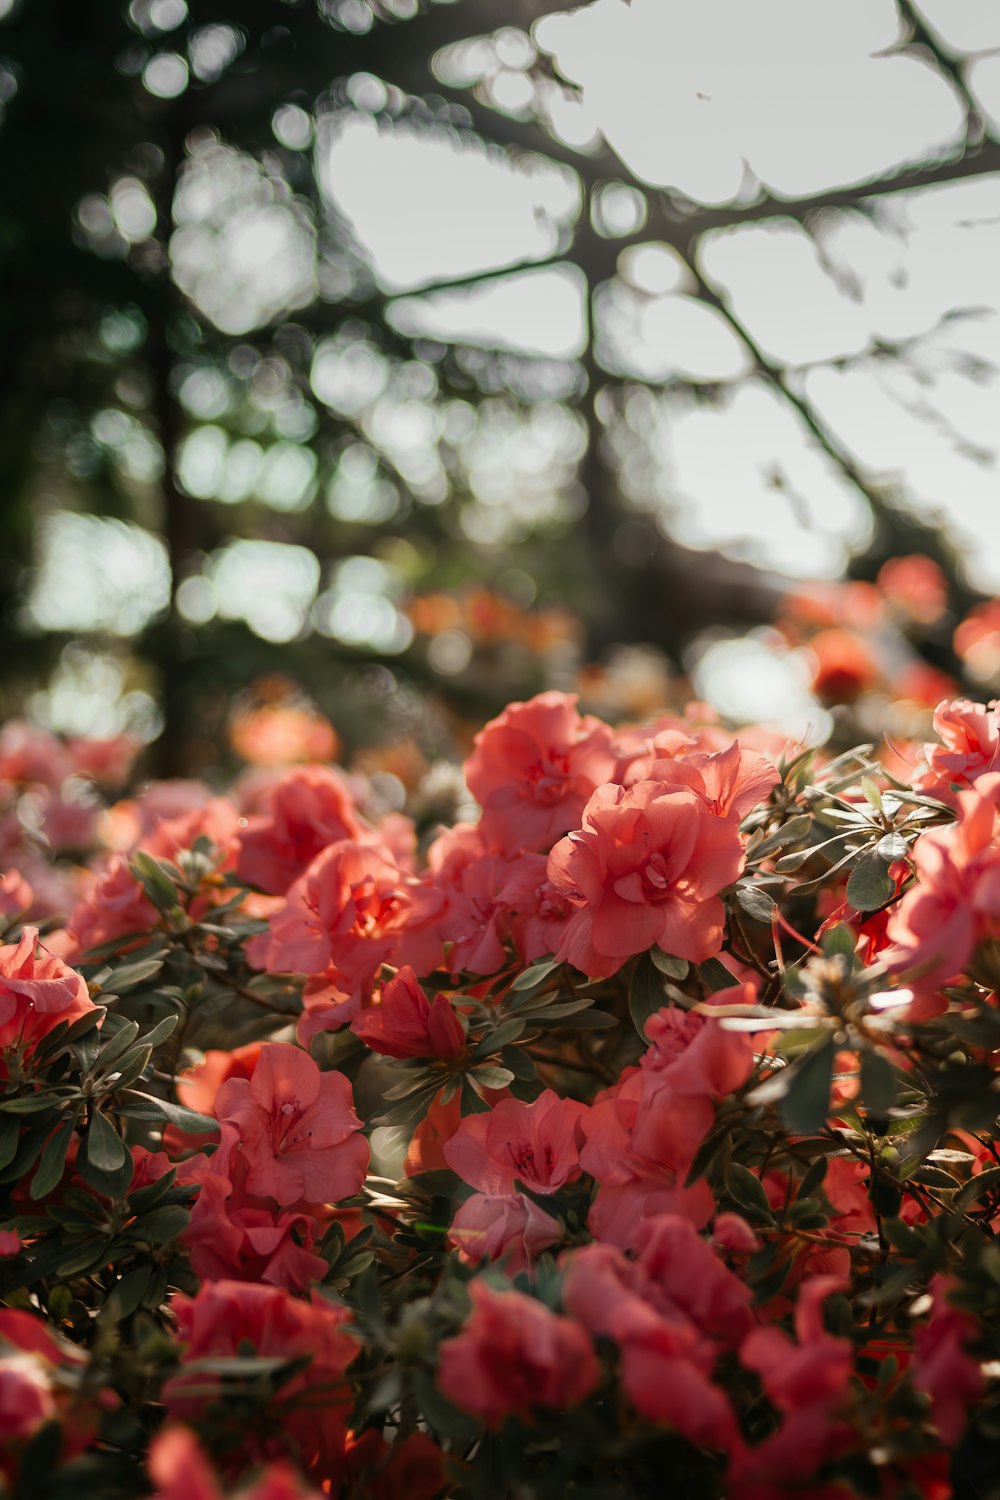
(507, 1226)
(639, 1178)
(475, 884)
(732, 781)
(16, 897)
(956, 901)
(180, 1472)
(537, 1144)
(39, 1382)
(308, 808)
(513, 1355)
(412, 1469)
(26, 1396)
(809, 1382)
(943, 1368)
(671, 1311)
(534, 768)
(28, 754)
(645, 870)
(971, 747)
(116, 908)
(295, 1127)
(346, 913)
(37, 992)
(233, 1237)
(306, 1415)
(406, 1024)
(643, 1133)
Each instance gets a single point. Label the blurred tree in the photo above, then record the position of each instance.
(199, 347)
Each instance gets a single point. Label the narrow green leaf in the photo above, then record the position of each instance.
(789, 833)
(10, 1131)
(806, 1102)
(871, 793)
(529, 977)
(105, 1148)
(745, 1187)
(646, 993)
(878, 1081)
(891, 847)
(131, 975)
(118, 1045)
(716, 975)
(869, 885)
(507, 1031)
(755, 901)
(839, 939)
(53, 1161)
(133, 1065)
(673, 968)
(490, 1078)
(28, 1104)
(519, 1063)
(155, 880)
(161, 1225)
(141, 1106)
(129, 1291)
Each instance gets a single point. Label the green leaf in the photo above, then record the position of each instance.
(806, 1101)
(869, 886)
(871, 793)
(716, 975)
(161, 1225)
(156, 881)
(839, 939)
(745, 1187)
(528, 978)
(106, 1150)
(472, 1103)
(789, 833)
(519, 1063)
(891, 847)
(646, 993)
(53, 1161)
(755, 901)
(443, 1418)
(133, 1066)
(878, 1081)
(540, 1014)
(490, 1078)
(673, 968)
(130, 975)
(118, 1045)
(10, 1132)
(140, 1106)
(794, 861)
(507, 1031)
(129, 1290)
(29, 1104)
(589, 1020)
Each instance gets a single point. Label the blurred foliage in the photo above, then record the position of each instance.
(212, 424)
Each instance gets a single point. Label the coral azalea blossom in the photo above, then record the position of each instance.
(296, 1129)
(645, 870)
(513, 1355)
(534, 768)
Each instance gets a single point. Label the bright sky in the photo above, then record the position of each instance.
(800, 94)
(888, 323)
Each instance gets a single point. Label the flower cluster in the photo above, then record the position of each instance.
(640, 1134)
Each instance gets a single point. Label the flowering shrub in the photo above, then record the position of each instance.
(640, 1138)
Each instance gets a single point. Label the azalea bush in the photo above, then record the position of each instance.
(638, 1138)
